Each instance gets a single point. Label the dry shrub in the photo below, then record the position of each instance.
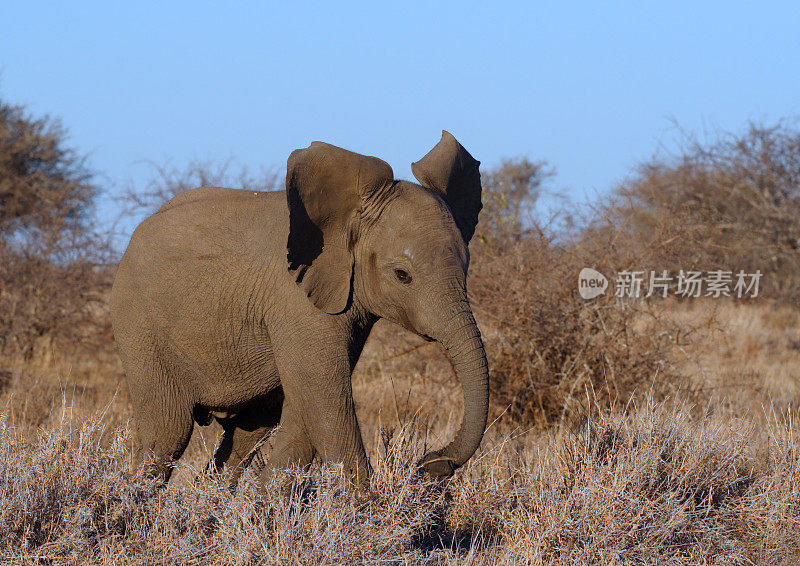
(45, 301)
(509, 192)
(549, 349)
(44, 185)
(52, 273)
(729, 203)
(732, 204)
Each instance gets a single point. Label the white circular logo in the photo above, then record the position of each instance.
(591, 283)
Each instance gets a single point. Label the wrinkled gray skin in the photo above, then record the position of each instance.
(253, 308)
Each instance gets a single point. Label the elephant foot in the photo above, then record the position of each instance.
(437, 465)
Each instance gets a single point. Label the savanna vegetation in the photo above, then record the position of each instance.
(622, 430)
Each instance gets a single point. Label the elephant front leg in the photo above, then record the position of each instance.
(291, 445)
(324, 428)
(335, 433)
(319, 419)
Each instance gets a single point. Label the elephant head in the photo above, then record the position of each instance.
(398, 250)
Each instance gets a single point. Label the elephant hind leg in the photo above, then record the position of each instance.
(162, 433)
(237, 449)
(161, 444)
(244, 432)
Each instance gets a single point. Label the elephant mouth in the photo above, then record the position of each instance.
(427, 338)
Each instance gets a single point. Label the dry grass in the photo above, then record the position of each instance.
(650, 485)
(645, 482)
(68, 497)
(742, 358)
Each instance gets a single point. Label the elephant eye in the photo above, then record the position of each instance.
(402, 276)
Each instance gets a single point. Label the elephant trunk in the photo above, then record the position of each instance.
(462, 342)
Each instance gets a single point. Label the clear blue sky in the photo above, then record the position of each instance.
(592, 87)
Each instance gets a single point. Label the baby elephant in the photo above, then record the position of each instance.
(253, 307)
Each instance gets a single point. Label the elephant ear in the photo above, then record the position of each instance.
(450, 170)
(325, 188)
